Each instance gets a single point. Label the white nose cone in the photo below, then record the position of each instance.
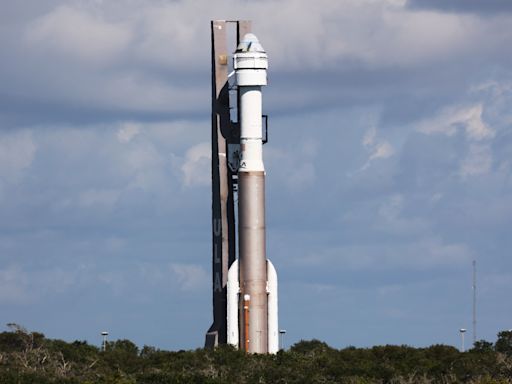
(250, 43)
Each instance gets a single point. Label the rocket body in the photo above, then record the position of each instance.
(253, 262)
(256, 333)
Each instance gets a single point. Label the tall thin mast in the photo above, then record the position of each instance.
(474, 302)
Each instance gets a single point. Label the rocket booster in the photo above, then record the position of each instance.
(253, 327)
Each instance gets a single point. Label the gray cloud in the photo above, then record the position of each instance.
(483, 7)
(130, 62)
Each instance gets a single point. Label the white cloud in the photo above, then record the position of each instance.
(180, 36)
(498, 90)
(127, 132)
(468, 121)
(18, 285)
(413, 40)
(78, 33)
(87, 171)
(422, 254)
(452, 119)
(189, 277)
(378, 148)
(370, 137)
(196, 168)
(476, 129)
(392, 221)
(140, 91)
(144, 164)
(174, 276)
(376, 33)
(382, 150)
(151, 56)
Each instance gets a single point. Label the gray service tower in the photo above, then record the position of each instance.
(244, 289)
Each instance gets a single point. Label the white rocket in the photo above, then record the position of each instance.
(252, 321)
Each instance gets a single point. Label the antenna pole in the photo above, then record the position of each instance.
(474, 302)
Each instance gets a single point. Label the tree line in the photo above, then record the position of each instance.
(30, 357)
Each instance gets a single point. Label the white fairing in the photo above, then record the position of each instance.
(273, 323)
(233, 289)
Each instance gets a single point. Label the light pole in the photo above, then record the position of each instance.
(104, 344)
(282, 332)
(462, 332)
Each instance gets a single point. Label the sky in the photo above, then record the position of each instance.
(389, 167)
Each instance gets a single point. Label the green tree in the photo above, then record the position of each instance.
(504, 343)
(482, 346)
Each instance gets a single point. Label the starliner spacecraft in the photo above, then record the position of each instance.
(245, 311)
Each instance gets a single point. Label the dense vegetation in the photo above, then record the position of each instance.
(29, 357)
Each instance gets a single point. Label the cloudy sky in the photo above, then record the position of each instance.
(389, 167)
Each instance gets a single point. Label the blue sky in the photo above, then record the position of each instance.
(389, 167)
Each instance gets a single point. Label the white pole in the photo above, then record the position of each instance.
(104, 344)
(462, 331)
(282, 332)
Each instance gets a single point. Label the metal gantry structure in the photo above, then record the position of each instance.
(244, 287)
(224, 132)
